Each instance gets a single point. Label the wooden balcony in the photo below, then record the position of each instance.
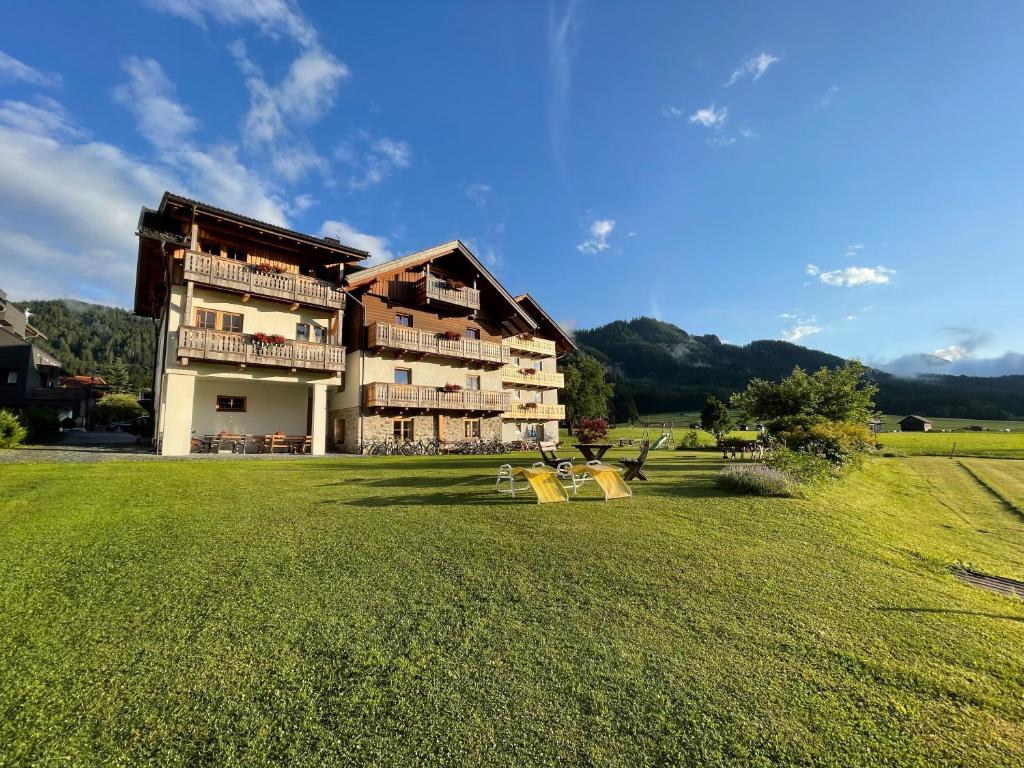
(431, 290)
(535, 411)
(410, 396)
(534, 346)
(240, 277)
(402, 339)
(513, 374)
(240, 349)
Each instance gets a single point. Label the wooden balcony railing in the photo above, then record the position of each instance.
(535, 411)
(240, 349)
(382, 395)
(534, 346)
(430, 290)
(219, 272)
(513, 374)
(403, 339)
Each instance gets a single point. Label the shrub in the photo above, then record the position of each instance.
(758, 480)
(11, 432)
(43, 424)
(591, 430)
(689, 440)
(117, 408)
(803, 466)
(838, 442)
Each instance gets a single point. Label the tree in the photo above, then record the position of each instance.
(715, 418)
(839, 395)
(586, 392)
(117, 408)
(118, 377)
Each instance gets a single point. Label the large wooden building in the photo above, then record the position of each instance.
(266, 330)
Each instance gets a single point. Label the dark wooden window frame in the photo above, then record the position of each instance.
(231, 404)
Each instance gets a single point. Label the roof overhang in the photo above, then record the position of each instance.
(564, 341)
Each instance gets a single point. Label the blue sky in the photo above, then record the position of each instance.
(844, 175)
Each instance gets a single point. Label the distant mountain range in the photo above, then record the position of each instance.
(660, 368)
(1009, 364)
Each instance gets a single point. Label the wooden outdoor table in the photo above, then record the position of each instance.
(593, 451)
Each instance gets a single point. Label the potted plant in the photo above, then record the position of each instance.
(530, 406)
(450, 335)
(451, 388)
(526, 336)
(528, 371)
(591, 430)
(452, 284)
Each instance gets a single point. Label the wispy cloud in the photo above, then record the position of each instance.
(855, 249)
(12, 71)
(150, 96)
(562, 42)
(274, 18)
(826, 98)
(800, 325)
(850, 277)
(600, 231)
(478, 193)
(754, 67)
(42, 117)
(374, 159)
(710, 116)
(670, 111)
(378, 246)
(797, 332)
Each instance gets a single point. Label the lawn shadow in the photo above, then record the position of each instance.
(953, 611)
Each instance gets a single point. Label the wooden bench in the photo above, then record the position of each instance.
(289, 443)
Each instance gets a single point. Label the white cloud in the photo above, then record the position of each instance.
(150, 96)
(274, 18)
(562, 35)
(600, 230)
(827, 96)
(380, 159)
(13, 71)
(377, 245)
(710, 117)
(721, 141)
(486, 252)
(753, 67)
(669, 111)
(45, 117)
(812, 270)
(478, 193)
(853, 250)
(854, 276)
(797, 332)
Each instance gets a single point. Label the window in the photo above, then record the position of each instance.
(472, 333)
(531, 431)
(540, 365)
(231, 321)
(403, 429)
(404, 320)
(231, 403)
(403, 376)
(319, 334)
(211, 248)
(235, 254)
(472, 427)
(472, 382)
(302, 331)
(206, 318)
(12, 377)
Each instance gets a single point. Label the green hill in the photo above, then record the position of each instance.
(87, 338)
(662, 368)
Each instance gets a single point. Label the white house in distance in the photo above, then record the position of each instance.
(265, 331)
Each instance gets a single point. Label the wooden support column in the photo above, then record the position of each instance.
(186, 312)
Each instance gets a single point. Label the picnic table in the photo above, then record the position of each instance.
(593, 451)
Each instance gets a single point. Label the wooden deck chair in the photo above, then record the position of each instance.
(544, 482)
(608, 480)
(635, 467)
(549, 456)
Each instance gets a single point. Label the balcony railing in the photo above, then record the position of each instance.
(219, 272)
(382, 395)
(513, 374)
(534, 346)
(404, 339)
(241, 349)
(434, 290)
(537, 411)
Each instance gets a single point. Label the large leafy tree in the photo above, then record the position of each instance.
(841, 394)
(715, 418)
(586, 391)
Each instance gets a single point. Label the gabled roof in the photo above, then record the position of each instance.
(534, 308)
(915, 418)
(361, 277)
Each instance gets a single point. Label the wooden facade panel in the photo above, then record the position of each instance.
(380, 310)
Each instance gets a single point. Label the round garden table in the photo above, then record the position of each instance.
(593, 451)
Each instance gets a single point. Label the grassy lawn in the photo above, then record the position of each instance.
(1004, 478)
(394, 611)
(1008, 445)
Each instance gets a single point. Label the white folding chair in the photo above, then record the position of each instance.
(505, 473)
(569, 478)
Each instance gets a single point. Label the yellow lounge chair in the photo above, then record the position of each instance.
(544, 482)
(607, 478)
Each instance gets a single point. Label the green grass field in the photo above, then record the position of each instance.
(1008, 445)
(890, 422)
(395, 611)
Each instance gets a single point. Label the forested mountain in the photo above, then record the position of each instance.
(88, 338)
(660, 368)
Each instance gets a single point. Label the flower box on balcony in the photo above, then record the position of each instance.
(266, 339)
(450, 388)
(450, 336)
